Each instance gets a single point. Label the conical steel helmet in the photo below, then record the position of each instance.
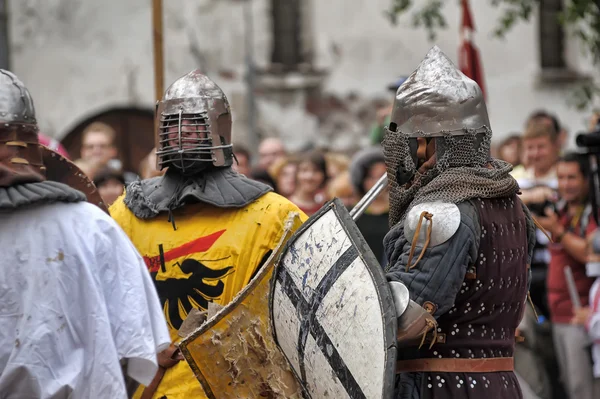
(438, 98)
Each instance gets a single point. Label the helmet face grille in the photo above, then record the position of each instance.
(185, 142)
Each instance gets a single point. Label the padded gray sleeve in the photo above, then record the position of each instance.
(438, 276)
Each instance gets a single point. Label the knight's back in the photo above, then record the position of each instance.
(43, 218)
(40, 234)
(65, 270)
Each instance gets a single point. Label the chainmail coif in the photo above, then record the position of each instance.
(464, 171)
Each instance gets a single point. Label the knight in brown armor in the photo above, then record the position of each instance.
(460, 238)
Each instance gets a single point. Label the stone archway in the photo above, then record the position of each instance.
(134, 139)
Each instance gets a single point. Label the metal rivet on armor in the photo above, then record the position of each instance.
(430, 307)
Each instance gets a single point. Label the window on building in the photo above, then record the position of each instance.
(287, 51)
(552, 35)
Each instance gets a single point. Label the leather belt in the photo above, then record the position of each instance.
(485, 365)
(151, 389)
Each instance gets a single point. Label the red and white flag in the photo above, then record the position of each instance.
(468, 55)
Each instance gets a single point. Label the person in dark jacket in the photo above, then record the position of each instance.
(366, 169)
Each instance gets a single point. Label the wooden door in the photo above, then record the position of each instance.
(134, 134)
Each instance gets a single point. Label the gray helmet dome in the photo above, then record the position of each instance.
(16, 104)
(438, 98)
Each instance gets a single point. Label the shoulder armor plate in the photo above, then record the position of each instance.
(446, 220)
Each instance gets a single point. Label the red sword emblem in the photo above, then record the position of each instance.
(201, 244)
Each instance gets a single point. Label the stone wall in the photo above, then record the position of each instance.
(80, 58)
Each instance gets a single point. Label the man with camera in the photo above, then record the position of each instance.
(569, 222)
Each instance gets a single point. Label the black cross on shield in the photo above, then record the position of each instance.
(330, 310)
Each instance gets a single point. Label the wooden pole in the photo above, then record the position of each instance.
(157, 30)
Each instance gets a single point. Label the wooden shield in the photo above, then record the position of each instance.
(233, 354)
(332, 310)
(60, 169)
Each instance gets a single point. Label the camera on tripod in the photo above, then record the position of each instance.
(590, 142)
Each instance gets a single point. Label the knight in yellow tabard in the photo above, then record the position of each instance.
(203, 229)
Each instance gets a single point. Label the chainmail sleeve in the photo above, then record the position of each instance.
(438, 276)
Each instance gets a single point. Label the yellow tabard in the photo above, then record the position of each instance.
(211, 256)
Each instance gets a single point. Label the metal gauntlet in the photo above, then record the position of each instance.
(414, 322)
(414, 325)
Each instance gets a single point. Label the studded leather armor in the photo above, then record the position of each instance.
(486, 309)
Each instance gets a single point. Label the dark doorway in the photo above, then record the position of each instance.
(134, 139)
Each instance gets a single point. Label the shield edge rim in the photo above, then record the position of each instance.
(381, 287)
(274, 257)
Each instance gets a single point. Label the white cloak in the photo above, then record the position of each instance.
(75, 299)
